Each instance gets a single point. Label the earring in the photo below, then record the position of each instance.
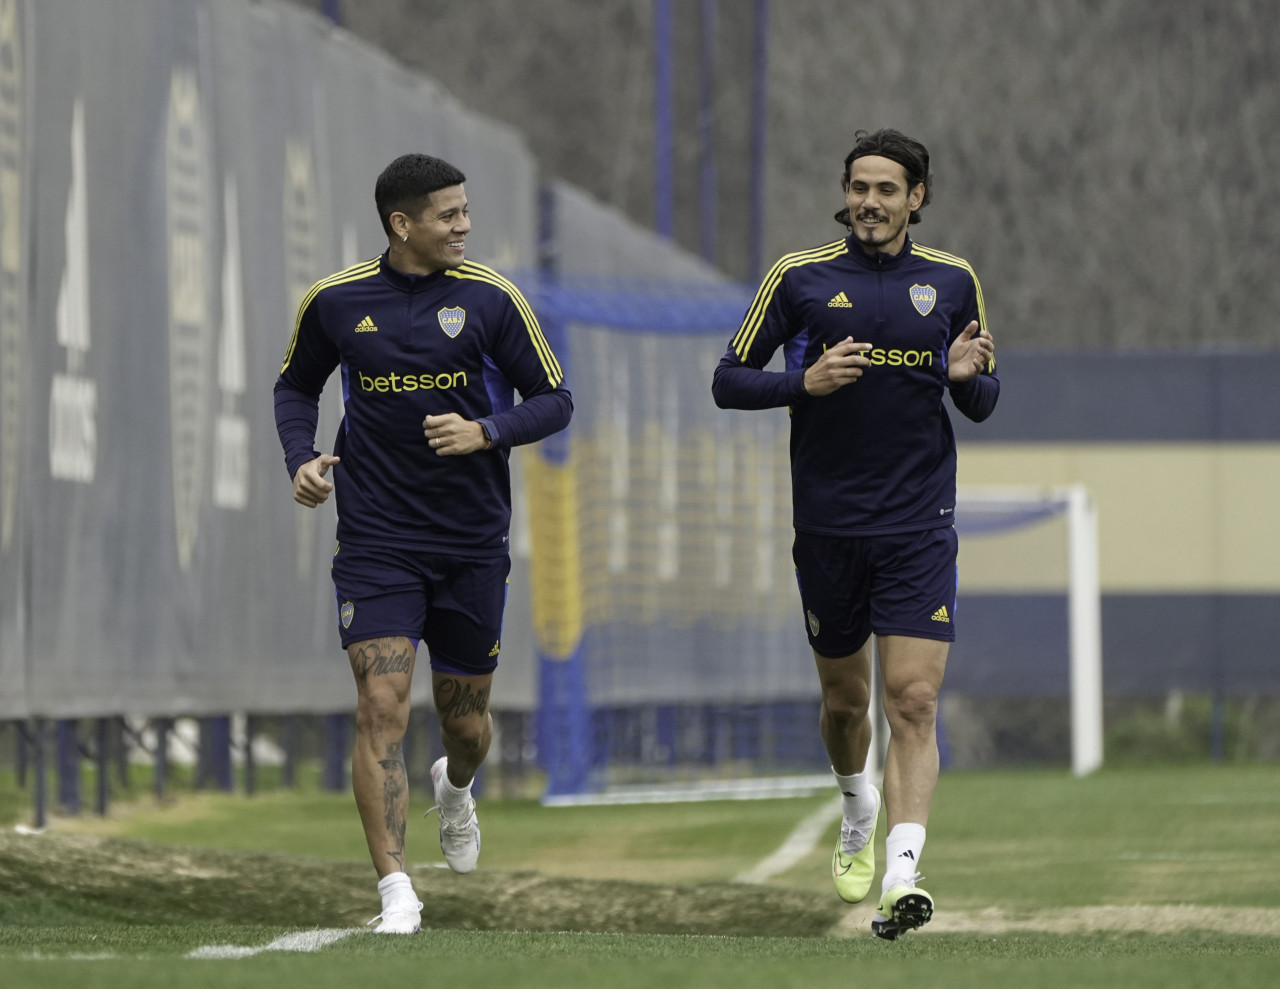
(405, 238)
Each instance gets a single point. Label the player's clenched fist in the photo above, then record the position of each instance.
(838, 366)
(450, 435)
(309, 486)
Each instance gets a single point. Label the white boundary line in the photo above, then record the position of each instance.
(300, 941)
(798, 844)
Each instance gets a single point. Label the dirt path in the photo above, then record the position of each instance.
(1086, 920)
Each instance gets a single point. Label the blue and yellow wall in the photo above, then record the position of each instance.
(1181, 452)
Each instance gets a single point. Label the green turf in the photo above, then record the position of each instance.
(152, 956)
(1028, 842)
(1161, 836)
(695, 842)
(1204, 835)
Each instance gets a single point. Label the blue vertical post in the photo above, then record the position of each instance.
(564, 707)
(1218, 725)
(162, 729)
(707, 191)
(120, 732)
(215, 752)
(667, 732)
(250, 766)
(102, 762)
(68, 763)
(335, 752)
(289, 742)
(759, 119)
(663, 119)
(23, 759)
(41, 799)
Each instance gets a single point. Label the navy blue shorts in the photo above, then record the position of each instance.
(452, 604)
(902, 584)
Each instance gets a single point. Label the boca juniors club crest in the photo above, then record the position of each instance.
(923, 297)
(346, 613)
(451, 321)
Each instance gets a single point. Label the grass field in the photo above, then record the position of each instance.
(1139, 877)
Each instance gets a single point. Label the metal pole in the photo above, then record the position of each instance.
(707, 133)
(122, 735)
(102, 760)
(162, 726)
(23, 756)
(289, 731)
(1085, 622)
(663, 115)
(67, 761)
(335, 747)
(216, 736)
(759, 120)
(41, 809)
(250, 726)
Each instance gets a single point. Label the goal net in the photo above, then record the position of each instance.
(673, 658)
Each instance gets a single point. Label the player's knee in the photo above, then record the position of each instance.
(847, 706)
(914, 703)
(382, 714)
(467, 733)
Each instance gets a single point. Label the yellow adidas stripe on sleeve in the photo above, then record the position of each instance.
(357, 271)
(764, 295)
(480, 273)
(942, 257)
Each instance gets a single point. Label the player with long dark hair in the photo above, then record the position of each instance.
(876, 330)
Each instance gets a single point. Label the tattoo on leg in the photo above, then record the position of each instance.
(394, 787)
(371, 660)
(454, 699)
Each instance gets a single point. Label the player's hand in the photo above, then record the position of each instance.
(970, 351)
(838, 366)
(309, 486)
(450, 435)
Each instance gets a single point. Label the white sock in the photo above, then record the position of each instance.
(453, 797)
(902, 849)
(394, 886)
(859, 798)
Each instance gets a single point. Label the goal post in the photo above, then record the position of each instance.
(1085, 622)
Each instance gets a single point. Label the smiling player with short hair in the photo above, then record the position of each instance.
(432, 348)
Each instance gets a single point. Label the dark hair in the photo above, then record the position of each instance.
(896, 146)
(406, 185)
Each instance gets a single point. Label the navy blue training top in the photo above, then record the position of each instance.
(458, 340)
(876, 456)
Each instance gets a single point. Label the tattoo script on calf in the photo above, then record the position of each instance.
(455, 699)
(372, 660)
(394, 789)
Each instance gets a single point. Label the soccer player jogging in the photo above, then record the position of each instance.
(432, 348)
(875, 329)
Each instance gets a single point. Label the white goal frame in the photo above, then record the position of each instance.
(1084, 622)
(1084, 613)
